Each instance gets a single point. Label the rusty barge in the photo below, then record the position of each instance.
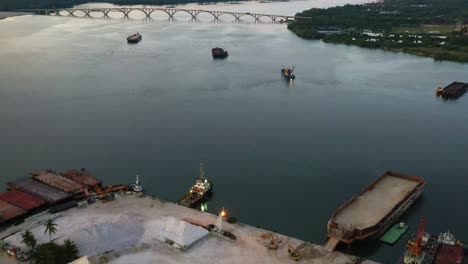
(453, 90)
(371, 212)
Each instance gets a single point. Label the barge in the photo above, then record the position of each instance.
(453, 90)
(219, 53)
(371, 212)
(198, 193)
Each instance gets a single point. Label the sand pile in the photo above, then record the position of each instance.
(119, 232)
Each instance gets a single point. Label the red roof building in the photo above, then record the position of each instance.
(21, 199)
(9, 212)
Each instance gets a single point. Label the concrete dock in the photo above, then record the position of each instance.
(143, 230)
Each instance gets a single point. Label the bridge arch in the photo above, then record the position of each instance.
(229, 13)
(72, 13)
(159, 10)
(246, 14)
(267, 16)
(207, 12)
(115, 10)
(96, 11)
(183, 11)
(59, 12)
(133, 10)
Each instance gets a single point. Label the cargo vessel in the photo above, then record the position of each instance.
(288, 73)
(135, 38)
(452, 90)
(219, 53)
(198, 192)
(371, 212)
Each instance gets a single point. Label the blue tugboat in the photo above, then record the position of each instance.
(287, 73)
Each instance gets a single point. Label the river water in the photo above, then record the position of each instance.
(283, 156)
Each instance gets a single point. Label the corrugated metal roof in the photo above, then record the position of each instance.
(58, 181)
(39, 190)
(8, 211)
(448, 254)
(21, 199)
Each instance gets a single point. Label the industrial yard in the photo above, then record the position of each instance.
(133, 229)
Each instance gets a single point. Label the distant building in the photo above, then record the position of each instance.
(459, 26)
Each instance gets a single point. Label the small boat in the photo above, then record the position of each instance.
(219, 53)
(288, 73)
(135, 38)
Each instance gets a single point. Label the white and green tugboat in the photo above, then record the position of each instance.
(199, 192)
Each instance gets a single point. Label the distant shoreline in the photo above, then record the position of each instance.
(6, 14)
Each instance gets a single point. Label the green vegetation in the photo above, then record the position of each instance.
(420, 27)
(51, 228)
(7, 5)
(50, 253)
(29, 240)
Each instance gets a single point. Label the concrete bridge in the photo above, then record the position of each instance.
(147, 11)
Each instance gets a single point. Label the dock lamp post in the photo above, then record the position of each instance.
(219, 222)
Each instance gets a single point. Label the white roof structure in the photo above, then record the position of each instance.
(82, 260)
(182, 233)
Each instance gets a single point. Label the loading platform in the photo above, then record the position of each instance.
(394, 233)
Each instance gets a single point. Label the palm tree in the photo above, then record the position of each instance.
(71, 251)
(29, 240)
(50, 228)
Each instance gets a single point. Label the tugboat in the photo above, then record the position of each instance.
(219, 53)
(198, 192)
(135, 38)
(287, 73)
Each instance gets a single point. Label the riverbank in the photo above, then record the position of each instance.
(134, 229)
(392, 25)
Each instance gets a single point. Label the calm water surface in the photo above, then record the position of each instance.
(283, 156)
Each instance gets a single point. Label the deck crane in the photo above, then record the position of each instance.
(414, 253)
(100, 191)
(416, 246)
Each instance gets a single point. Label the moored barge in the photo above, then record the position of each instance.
(371, 212)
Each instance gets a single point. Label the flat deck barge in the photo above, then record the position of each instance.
(371, 212)
(453, 90)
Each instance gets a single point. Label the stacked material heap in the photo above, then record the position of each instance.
(58, 182)
(38, 189)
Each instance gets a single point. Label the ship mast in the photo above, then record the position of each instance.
(202, 172)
